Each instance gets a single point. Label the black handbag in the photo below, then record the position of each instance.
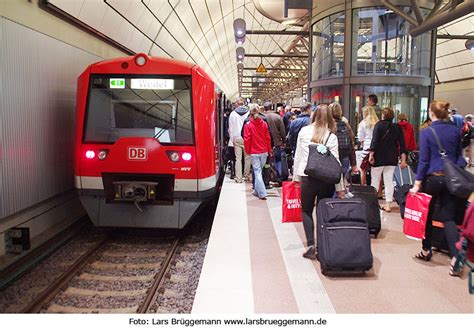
(459, 181)
(322, 165)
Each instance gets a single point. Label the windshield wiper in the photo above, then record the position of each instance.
(162, 131)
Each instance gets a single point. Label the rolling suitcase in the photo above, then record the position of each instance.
(369, 196)
(403, 176)
(343, 236)
(438, 236)
(404, 180)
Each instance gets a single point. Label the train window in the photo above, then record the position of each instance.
(119, 107)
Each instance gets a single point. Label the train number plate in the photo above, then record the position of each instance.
(137, 153)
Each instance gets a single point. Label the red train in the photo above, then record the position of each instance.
(148, 138)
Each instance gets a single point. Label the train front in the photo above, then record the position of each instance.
(140, 158)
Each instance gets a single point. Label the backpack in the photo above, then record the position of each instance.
(343, 139)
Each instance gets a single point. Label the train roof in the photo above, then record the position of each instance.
(151, 65)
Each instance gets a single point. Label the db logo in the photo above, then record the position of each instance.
(137, 153)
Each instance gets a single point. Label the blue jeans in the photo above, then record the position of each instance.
(346, 164)
(277, 152)
(258, 161)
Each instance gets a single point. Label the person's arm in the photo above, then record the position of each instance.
(232, 126)
(298, 154)
(352, 156)
(268, 141)
(291, 136)
(361, 134)
(403, 149)
(247, 138)
(374, 144)
(281, 129)
(412, 139)
(424, 163)
(333, 146)
(376, 137)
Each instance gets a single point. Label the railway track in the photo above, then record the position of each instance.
(115, 276)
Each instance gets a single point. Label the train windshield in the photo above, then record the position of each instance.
(139, 106)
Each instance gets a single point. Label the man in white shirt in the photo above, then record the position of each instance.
(236, 121)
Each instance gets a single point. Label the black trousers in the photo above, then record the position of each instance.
(436, 187)
(310, 189)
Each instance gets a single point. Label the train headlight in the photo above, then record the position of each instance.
(174, 156)
(90, 154)
(186, 156)
(140, 59)
(102, 154)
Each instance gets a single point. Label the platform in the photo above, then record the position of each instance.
(254, 264)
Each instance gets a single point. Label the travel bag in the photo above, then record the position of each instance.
(438, 236)
(369, 196)
(404, 180)
(343, 236)
(403, 176)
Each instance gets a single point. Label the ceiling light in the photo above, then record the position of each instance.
(470, 44)
(289, 22)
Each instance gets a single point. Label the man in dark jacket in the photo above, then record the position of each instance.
(297, 125)
(278, 134)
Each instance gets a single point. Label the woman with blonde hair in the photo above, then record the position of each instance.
(431, 177)
(257, 144)
(345, 137)
(320, 131)
(365, 133)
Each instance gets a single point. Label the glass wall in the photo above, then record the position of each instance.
(326, 95)
(382, 44)
(328, 47)
(411, 100)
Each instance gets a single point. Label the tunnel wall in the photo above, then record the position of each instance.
(41, 56)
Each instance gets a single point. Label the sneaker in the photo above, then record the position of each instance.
(238, 180)
(311, 253)
(263, 198)
(268, 187)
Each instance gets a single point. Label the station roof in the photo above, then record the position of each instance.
(453, 60)
(201, 31)
(196, 31)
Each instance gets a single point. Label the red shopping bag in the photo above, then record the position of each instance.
(416, 213)
(291, 205)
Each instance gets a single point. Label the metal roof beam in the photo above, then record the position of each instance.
(464, 37)
(290, 55)
(274, 69)
(277, 32)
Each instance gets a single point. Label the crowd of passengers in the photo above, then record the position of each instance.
(258, 136)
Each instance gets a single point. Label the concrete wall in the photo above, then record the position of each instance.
(459, 94)
(32, 38)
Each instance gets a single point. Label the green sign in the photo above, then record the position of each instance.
(117, 83)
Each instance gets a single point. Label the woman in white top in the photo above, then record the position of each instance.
(365, 133)
(320, 130)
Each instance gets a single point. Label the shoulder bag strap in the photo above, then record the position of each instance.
(441, 150)
(327, 139)
(386, 133)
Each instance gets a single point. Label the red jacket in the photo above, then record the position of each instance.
(409, 135)
(257, 137)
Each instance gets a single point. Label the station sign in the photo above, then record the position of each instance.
(152, 84)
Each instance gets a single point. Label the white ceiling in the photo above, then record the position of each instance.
(203, 30)
(453, 60)
(203, 34)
